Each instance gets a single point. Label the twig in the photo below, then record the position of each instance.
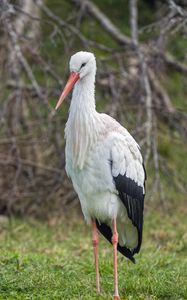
(21, 58)
(104, 21)
(4, 160)
(161, 92)
(59, 21)
(146, 84)
(157, 187)
(174, 64)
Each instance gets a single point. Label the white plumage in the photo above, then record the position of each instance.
(92, 177)
(103, 161)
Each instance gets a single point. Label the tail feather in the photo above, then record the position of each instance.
(107, 233)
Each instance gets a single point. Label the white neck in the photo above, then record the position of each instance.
(81, 125)
(83, 98)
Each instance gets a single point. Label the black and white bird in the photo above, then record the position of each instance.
(105, 165)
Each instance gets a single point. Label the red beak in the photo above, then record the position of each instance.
(73, 78)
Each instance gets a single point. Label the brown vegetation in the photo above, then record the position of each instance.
(32, 178)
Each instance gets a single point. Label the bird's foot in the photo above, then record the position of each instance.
(116, 297)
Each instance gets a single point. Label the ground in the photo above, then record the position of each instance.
(50, 260)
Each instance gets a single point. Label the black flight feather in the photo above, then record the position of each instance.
(132, 196)
(107, 233)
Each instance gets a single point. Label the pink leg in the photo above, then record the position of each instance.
(115, 243)
(95, 241)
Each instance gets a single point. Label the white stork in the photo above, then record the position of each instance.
(105, 165)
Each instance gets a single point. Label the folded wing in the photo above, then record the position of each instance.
(129, 176)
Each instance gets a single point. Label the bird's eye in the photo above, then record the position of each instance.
(84, 64)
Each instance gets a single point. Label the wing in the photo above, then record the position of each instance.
(129, 176)
(107, 233)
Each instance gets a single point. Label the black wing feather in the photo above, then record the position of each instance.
(132, 197)
(107, 232)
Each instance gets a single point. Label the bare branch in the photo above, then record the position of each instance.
(20, 56)
(104, 21)
(161, 92)
(6, 160)
(174, 64)
(146, 84)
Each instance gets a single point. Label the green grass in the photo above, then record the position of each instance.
(52, 261)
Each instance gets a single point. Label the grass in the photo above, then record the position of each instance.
(52, 261)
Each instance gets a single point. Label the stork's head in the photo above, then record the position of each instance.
(81, 65)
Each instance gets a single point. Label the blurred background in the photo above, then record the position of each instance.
(141, 81)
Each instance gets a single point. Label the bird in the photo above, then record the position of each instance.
(105, 165)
